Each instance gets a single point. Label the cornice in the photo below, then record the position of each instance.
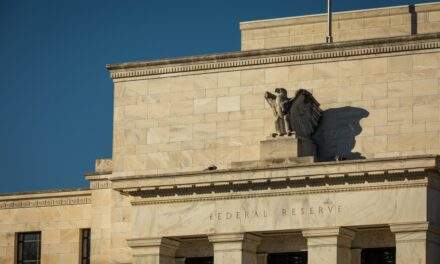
(45, 200)
(283, 188)
(276, 56)
(264, 174)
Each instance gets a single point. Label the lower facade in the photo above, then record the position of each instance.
(357, 212)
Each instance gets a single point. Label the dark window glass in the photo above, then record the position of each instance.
(85, 246)
(378, 256)
(287, 258)
(206, 260)
(28, 247)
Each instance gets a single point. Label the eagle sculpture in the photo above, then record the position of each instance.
(299, 115)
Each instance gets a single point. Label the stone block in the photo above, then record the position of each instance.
(103, 165)
(301, 72)
(252, 77)
(375, 66)
(374, 91)
(158, 135)
(229, 79)
(281, 148)
(399, 89)
(228, 104)
(277, 75)
(205, 105)
(400, 64)
(425, 87)
(206, 81)
(182, 108)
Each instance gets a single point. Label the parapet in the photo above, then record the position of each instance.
(347, 26)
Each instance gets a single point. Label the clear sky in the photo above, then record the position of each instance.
(55, 93)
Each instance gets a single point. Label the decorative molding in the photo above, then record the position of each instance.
(275, 56)
(329, 185)
(103, 184)
(18, 202)
(256, 173)
(414, 227)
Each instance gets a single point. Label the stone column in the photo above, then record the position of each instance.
(235, 248)
(262, 258)
(356, 255)
(329, 245)
(416, 243)
(153, 250)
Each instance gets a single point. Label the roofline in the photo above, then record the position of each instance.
(50, 191)
(243, 55)
(245, 24)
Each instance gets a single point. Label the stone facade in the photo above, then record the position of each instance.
(193, 175)
(356, 25)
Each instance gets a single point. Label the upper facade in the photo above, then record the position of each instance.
(347, 26)
(377, 84)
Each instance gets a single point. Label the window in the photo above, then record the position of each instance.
(287, 258)
(28, 247)
(378, 256)
(85, 246)
(206, 260)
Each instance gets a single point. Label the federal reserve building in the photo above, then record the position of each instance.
(317, 143)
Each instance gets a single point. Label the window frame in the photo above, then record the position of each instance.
(85, 238)
(19, 246)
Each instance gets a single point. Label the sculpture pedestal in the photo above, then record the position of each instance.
(282, 150)
(286, 148)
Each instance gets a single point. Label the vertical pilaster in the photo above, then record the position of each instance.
(235, 248)
(416, 243)
(262, 258)
(329, 245)
(153, 250)
(356, 255)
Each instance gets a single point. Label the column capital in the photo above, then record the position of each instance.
(153, 242)
(414, 227)
(329, 245)
(406, 232)
(329, 232)
(153, 246)
(234, 237)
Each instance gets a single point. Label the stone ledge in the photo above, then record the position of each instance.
(281, 187)
(350, 168)
(276, 56)
(45, 199)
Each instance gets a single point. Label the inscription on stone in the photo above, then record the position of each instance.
(321, 210)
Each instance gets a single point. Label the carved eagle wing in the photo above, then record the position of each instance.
(270, 98)
(305, 113)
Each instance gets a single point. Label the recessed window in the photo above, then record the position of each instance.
(287, 258)
(28, 247)
(378, 256)
(204, 260)
(85, 246)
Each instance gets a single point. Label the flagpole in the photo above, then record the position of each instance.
(329, 38)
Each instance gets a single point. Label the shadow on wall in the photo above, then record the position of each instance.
(336, 134)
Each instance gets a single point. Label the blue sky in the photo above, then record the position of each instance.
(56, 95)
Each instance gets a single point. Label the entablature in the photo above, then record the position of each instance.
(353, 175)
